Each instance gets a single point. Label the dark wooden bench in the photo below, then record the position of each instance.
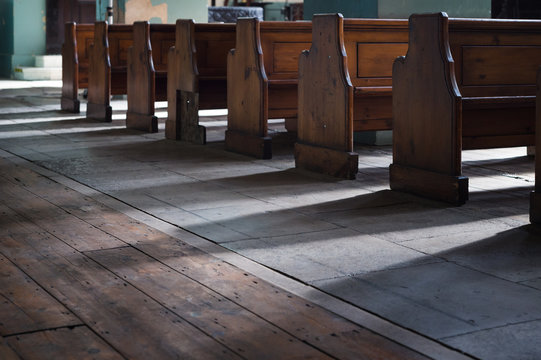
(345, 85)
(535, 196)
(464, 84)
(107, 68)
(197, 77)
(262, 77)
(147, 73)
(77, 41)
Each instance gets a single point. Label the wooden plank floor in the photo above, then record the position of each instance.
(80, 280)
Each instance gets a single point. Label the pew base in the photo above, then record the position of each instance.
(70, 104)
(242, 143)
(332, 162)
(142, 122)
(535, 208)
(437, 186)
(99, 112)
(190, 130)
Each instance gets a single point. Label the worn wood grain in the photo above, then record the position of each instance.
(197, 77)
(262, 82)
(108, 67)
(66, 343)
(227, 322)
(75, 49)
(24, 305)
(480, 94)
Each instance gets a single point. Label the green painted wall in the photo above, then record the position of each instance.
(348, 8)
(6, 37)
(396, 9)
(22, 33)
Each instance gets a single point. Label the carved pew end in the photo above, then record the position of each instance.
(99, 111)
(243, 143)
(327, 161)
(448, 188)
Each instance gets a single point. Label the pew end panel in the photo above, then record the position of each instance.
(108, 67)
(99, 76)
(200, 79)
(141, 81)
(247, 94)
(70, 70)
(427, 115)
(535, 195)
(325, 133)
(75, 52)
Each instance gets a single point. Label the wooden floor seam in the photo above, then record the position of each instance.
(38, 212)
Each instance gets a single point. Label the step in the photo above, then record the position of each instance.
(37, 73)
(48, 61)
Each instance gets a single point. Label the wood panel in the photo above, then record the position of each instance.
(422, 126)
(318, 86)
(77, 41)
(247, 94)
(264, 69)
(370, 47)
(492, 88)
(141, 81)
(535, 195)
(198, 68)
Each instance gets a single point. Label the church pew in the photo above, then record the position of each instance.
(147, 73)
(464, 84)
(262, 75)
(77, 40)
(196, 76)
(345, 86)
(535, 195)
(107, 67)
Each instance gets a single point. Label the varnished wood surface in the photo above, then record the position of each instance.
(108, 67)
(262, 81)
(345, 85)
(109, 287)
(77, 41)
(464, 84)
(197, 77)
(326, 102)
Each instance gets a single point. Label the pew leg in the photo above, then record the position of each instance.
(448, 188)
(142, 122)
(248, 144)
(336, 163)
(190, 130)
(530, 151)
(69, 104)
(101, 112)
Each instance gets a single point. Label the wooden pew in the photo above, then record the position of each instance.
(108, 67)
(535, 196)
(77, 41)
(197, 76)
(262, 76)
(345, 86)
(464, 84)
(147, 73)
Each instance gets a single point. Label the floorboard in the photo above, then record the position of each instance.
(149, 295)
